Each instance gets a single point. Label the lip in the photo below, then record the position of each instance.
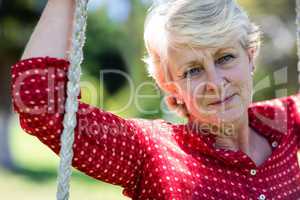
(226, 99)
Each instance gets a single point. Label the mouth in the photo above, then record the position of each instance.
(227, 99)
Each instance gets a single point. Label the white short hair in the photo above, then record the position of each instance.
(194, 23)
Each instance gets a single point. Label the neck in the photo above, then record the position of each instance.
(233, 136)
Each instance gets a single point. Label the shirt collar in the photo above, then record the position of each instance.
(261, 119)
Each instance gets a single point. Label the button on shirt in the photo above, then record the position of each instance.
(253, 172)
(155, 159)
(274, 144)
(262, 197)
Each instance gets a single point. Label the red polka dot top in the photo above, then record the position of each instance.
(155, 159)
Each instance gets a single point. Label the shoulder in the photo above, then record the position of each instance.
(152, 125)
(282, 104)
(277, 112)
(158, 131)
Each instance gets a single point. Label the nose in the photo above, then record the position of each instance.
(216, 82)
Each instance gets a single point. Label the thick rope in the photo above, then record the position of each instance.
(71, 106)
(298, 39)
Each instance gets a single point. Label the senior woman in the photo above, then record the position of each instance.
(201, 53)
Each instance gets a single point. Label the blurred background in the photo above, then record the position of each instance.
(115, 41)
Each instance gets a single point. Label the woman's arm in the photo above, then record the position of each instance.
(52, 34)
(106, 147)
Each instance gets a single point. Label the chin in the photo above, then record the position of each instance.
(228, 113)
(231, 115)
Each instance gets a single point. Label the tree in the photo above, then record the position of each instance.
(16, 22)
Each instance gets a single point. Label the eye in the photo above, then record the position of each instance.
(225, 59)
(192, 72)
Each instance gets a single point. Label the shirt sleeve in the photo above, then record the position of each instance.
(294, 113)
(106, 147)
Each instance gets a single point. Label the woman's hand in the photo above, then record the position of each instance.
(53, 32)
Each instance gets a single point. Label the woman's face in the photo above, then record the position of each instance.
(204, 77)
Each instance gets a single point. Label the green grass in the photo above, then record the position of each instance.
(36, 178)
(17, 187)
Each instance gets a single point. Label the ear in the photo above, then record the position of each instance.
(251, 54)
(171, 87)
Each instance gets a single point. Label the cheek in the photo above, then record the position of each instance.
(242, 80)
(194, 90)
(240, 75)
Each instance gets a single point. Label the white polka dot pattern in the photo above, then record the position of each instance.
(154, 159)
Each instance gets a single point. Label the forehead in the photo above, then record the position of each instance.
(180, 56)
